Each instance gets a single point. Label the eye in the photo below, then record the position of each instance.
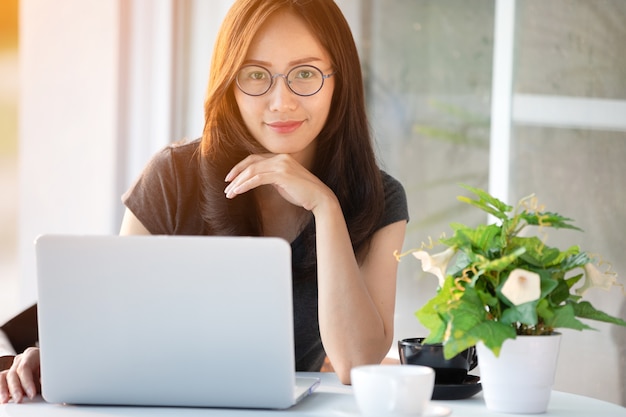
(305, 74)
(253, 74)
(257, 75)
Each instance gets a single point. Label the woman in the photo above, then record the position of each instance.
(286, 152)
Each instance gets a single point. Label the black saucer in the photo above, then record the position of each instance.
(468, 388)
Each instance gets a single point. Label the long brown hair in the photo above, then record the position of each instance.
(345, 160)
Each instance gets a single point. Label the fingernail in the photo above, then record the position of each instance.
(30, 393)
(228, 177)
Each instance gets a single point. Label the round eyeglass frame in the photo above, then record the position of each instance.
(286, 78)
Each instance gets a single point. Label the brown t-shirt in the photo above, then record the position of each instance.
(166, 199)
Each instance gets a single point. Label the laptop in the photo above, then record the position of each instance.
(167, 321)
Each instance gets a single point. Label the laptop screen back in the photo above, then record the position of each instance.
(166, 320)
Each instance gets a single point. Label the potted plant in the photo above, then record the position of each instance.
(500, 287)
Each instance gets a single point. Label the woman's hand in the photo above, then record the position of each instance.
(295, 183)
(22, 379)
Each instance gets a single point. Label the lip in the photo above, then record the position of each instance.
(286, 126)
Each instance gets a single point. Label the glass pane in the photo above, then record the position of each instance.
(581, 174)
(571, 48)
(575, 48)
(428, 78)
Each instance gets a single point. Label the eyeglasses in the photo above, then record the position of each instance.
(303, 80)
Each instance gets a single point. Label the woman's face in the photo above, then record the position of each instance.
(280, 120)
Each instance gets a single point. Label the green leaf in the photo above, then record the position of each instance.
(502, 263)
(487, 199)
(434, 314)
(548, 284)
(565, 317)
(560, 294)
(575, 259)
(458, 239)
(468, 312)
(548, 219)
(487, 297)
(524, 313)
(432, 321)
(469, 324)
(484, 207)
(586, 310)
(486, 237)
(493, 334)
(573, 280)
(537, 253)
(544, 310)
(458, 264)
(482, 240)
(460, 337)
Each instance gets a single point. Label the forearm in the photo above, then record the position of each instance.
(352, 327)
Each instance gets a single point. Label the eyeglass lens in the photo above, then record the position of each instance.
(304, 80)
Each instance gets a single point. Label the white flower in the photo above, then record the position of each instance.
(522, 286)
(436, 264)
(595, 278)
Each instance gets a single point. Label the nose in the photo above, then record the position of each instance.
(280, 96)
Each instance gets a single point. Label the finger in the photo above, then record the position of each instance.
(242, 186)
(243, 164)
(4, 389)
(20, 378)
(28, 371)
(246, 174)
(262, 171)
(26, 376)
(15, 387)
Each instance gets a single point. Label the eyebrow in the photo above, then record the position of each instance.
(290, 64)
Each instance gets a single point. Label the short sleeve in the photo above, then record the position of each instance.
(396, 208)
(166, 196)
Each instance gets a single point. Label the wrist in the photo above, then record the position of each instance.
(329, 204)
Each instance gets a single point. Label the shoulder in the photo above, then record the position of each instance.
(390, 184)
(185, 148)
(183, 152)
(173, 163)
(396, 206)
(394, 191)
(168, 190)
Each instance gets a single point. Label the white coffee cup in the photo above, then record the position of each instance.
(392, 390)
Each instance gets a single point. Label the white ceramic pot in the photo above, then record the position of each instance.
(520, 379)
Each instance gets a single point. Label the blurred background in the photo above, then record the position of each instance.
(8, 158)
(516, 97)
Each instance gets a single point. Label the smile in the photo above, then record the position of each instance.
(284, 127)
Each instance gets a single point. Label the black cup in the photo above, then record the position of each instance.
(447, 371)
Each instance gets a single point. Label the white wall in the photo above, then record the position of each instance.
(96, 101)
(68, 122)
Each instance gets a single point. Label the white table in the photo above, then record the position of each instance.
(331, 399)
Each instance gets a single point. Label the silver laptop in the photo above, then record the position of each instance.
(167, 321)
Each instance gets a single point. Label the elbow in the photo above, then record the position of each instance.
(343, 365)
(344, 375)
(341, 370)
